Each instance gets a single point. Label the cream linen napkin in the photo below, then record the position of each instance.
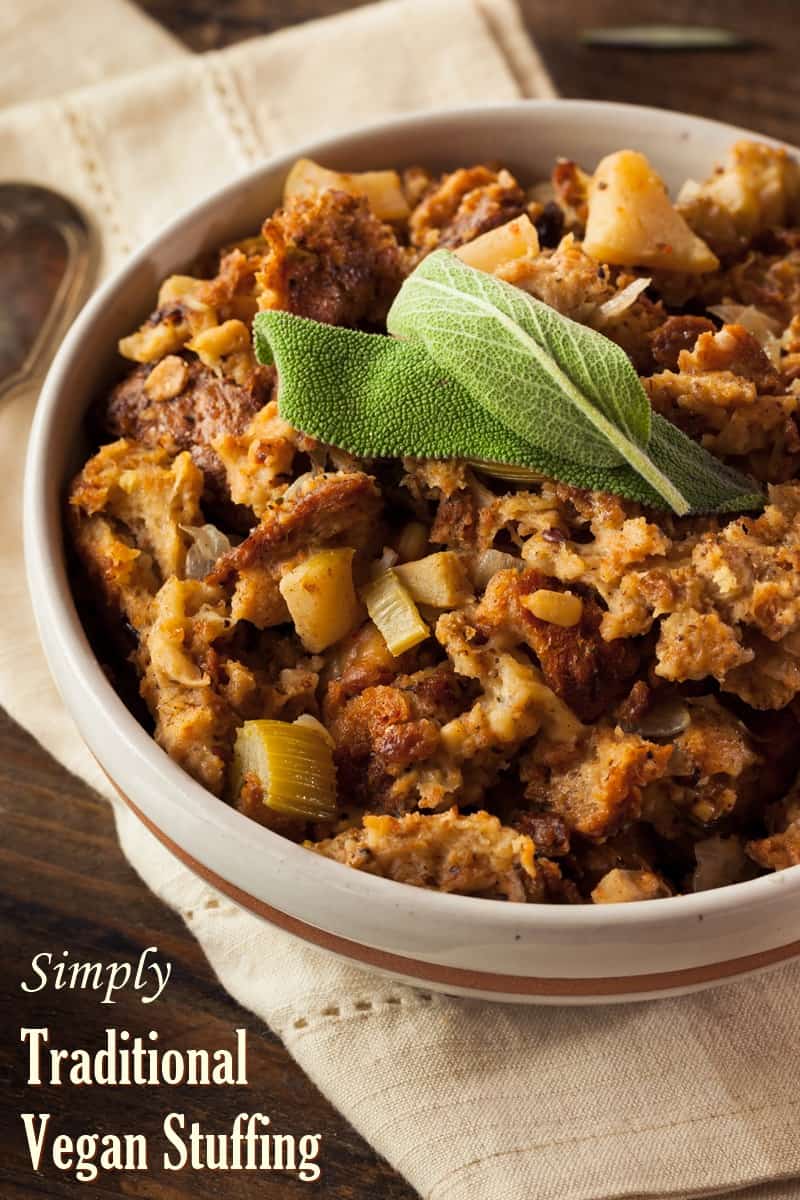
(52, 45)
(470, 1101)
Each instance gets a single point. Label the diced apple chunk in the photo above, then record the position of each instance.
(632, 221)
(439, 580)
(382, 189)
(621, 886)
(516, 239)
(321, 598)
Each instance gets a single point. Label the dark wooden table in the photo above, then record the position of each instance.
(64, 883)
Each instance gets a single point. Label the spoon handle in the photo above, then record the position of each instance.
(47, 264)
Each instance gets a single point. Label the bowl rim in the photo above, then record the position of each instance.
(69, 652)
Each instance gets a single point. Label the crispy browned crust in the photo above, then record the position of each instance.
(332, 509)
(547, 829)
(382, 730)
(364, 660)
(732, 349)
(209, 406)
(471, 854)
(125, 510)
(235, 277)
(598, 789)
(376, 735)
(331, 259)
(677, 334)
(456, 520)
(588, 673)
(464, 204)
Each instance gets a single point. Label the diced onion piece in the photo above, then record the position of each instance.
(321, 598)
(763, 328)
(617, 305)
(557, 608)
(720, 861)
(382, 189)
(439, 580)
(413, 541)
(293, 765)
(308, 722)
(483, 496)
(516, 239)
(387, 559)
(486, 565)
(381, 565)
(632, 221)
(394, 613)
(208, 545)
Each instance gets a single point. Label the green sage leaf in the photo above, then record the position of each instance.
(379, 397)
(559, 385)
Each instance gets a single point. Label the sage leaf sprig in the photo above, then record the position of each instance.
(480, 370)
(543, 375)
(557, 384)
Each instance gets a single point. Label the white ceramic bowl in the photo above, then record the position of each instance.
(532, 953)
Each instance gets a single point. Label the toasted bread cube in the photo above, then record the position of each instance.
(757, 189)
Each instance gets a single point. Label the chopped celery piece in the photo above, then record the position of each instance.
(293, 764)
(395, 613)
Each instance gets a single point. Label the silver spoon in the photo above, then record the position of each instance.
(664, 37)
(47, 264)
